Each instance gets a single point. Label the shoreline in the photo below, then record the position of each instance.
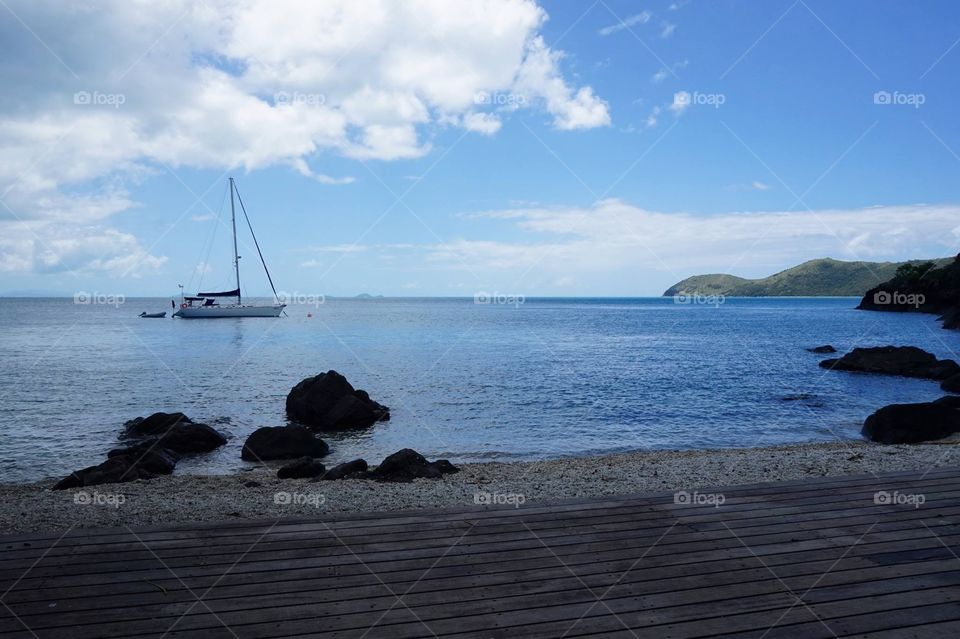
(195, 498)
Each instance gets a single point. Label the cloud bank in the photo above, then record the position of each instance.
(97, 96)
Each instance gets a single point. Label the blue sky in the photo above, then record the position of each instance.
(560, 148)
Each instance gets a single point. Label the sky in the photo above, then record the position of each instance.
(447, 148)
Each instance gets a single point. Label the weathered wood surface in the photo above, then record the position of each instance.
(814, 558)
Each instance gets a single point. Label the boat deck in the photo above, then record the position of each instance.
(813, 558)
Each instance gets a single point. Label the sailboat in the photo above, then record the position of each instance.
(207, 305)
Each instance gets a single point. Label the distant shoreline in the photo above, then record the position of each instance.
(190, 498)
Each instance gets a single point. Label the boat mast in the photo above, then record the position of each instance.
(236, 257)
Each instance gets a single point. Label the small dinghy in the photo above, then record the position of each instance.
(153, 315)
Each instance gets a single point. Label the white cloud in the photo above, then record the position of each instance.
(756, 185)
(482, 123)
(681, 102)
(51, 247)
(613, 243)
(539, 76)
(614, 247)
(327, 179)
(664, 72)
(224, 83)
(667, 29)
(653, 118)
(626, 23)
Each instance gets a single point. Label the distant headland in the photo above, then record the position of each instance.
(824, 277)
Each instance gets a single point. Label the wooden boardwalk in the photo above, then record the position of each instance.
(814, 558)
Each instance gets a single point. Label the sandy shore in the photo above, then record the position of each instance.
(184, 498)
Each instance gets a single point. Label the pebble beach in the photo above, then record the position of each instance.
(258, 495)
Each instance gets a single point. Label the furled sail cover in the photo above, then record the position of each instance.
(234, 293)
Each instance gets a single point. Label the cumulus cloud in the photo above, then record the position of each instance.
(49, 247)
(99, 95)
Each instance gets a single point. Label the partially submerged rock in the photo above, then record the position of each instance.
(407, 465)
(149, 456)
(283, 442)
(302, 468)
(122, 465)
(176, 432)
(355, 469)
(328, 402)
(907, 361)
(913, 423)
(951, 384)
(826, 348)
(154, 425)
(161, 438)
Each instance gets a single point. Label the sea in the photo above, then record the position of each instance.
(471, 380)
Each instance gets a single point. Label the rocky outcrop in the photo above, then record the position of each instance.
(328, 402)
(407, 464)
(912, 423)
(176, 432)
(906, 361)
(160, 440)
(283, 442)
(303, 468)
(924, 288)
(355, 469)
(826, 348)
(142, 461)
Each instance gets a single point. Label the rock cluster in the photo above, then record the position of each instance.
(907, 361)
(160, 440)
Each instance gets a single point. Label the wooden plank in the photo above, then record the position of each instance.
(680, 589)
(670, 569)
(311, 531)
(120, 594)
(382, 565)
(326, 541)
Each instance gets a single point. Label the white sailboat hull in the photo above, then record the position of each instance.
(229, 310)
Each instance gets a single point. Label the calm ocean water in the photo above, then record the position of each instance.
(545, 378)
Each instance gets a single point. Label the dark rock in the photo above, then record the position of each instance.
(148, 455)
(948, 400)
(283, 442)
(951, 318)
(154, 425)
(350, 469)
(176, 432)
(826, 348)
(951, 384)
(907, 361)
(192, 438)
(252, 484)
(407, 465)
(117, 469)
(301, 469)
(912, 423)
(329, 402)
